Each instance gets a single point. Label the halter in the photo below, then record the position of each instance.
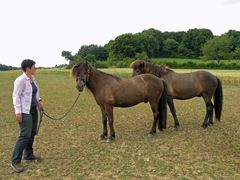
(88, 76)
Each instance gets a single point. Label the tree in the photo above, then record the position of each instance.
(177, 36)
(67, 55)
(142, 56)
(236, 53)
(194, 40)
(170, 48)
(149, 41)
(98, 51)
(123, 46)
(217, 48)
(6, 68)
(90, 58)
(234, 37)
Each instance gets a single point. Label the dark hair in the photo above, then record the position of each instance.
(27, 63)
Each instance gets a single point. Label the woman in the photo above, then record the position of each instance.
(26, 100)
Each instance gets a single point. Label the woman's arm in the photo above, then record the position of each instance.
(17, 91)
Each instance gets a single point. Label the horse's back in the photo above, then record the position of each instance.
(128, 92)
(189, 85)
(152, 83)
(206, 78)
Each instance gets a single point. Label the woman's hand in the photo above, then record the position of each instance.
(40, 105)
(19, 117)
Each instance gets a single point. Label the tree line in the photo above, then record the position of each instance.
(152, 43)
(6, 68)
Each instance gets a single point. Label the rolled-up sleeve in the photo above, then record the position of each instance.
(17, 92)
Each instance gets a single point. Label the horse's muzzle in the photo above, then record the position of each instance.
(79, 88)
(134, 74)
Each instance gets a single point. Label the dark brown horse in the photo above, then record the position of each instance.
(186, 86)
(110, 91)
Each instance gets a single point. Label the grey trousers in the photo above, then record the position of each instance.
(24, 144)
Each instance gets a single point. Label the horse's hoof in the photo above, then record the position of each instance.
(151, 134)
(102, 137)
(203, 127)
(110, 140)
(210, 124)
(160, 131)
(175, 128)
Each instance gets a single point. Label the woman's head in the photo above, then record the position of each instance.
(28, 66)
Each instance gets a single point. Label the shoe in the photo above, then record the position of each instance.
(17, 167)
(33, 158)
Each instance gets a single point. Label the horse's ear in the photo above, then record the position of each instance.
(141, 65)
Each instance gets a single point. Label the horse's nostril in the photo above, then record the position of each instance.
(78, 87)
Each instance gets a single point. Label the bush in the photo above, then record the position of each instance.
(197, 64)
(142, 56)
(102, 64)
(236, 53)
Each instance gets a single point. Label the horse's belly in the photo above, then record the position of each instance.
(185, 95)
(128, 102)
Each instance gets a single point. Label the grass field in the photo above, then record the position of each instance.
(71, 149)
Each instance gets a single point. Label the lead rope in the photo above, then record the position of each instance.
(42, 112)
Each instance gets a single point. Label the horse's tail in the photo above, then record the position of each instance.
(218, 100)
(162, 108)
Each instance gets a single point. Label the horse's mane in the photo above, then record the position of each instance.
(158, 69)
(76, 66)
(115, 77)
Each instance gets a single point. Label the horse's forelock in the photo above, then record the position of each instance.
(74, 70)
(132, 64)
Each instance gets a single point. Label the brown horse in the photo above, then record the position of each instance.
(186, 86)
(110, 91)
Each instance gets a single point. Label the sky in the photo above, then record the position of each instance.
(42, 29)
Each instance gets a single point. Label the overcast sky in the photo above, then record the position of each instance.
(41, 29)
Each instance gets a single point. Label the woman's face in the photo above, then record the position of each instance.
(31, 70)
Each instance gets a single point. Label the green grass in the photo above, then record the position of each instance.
(71, 148)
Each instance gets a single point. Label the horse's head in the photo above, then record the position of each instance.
(81, 73)
(138, 67)
(141, 67)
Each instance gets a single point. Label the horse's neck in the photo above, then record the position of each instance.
(93, 81)
(161, 71)
(97, 79)
(168, 72)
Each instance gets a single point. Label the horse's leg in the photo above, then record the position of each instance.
(104, 124)
(209, 109)
(210, 122)
(173, 111)
(154, 107)
(109, 111)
